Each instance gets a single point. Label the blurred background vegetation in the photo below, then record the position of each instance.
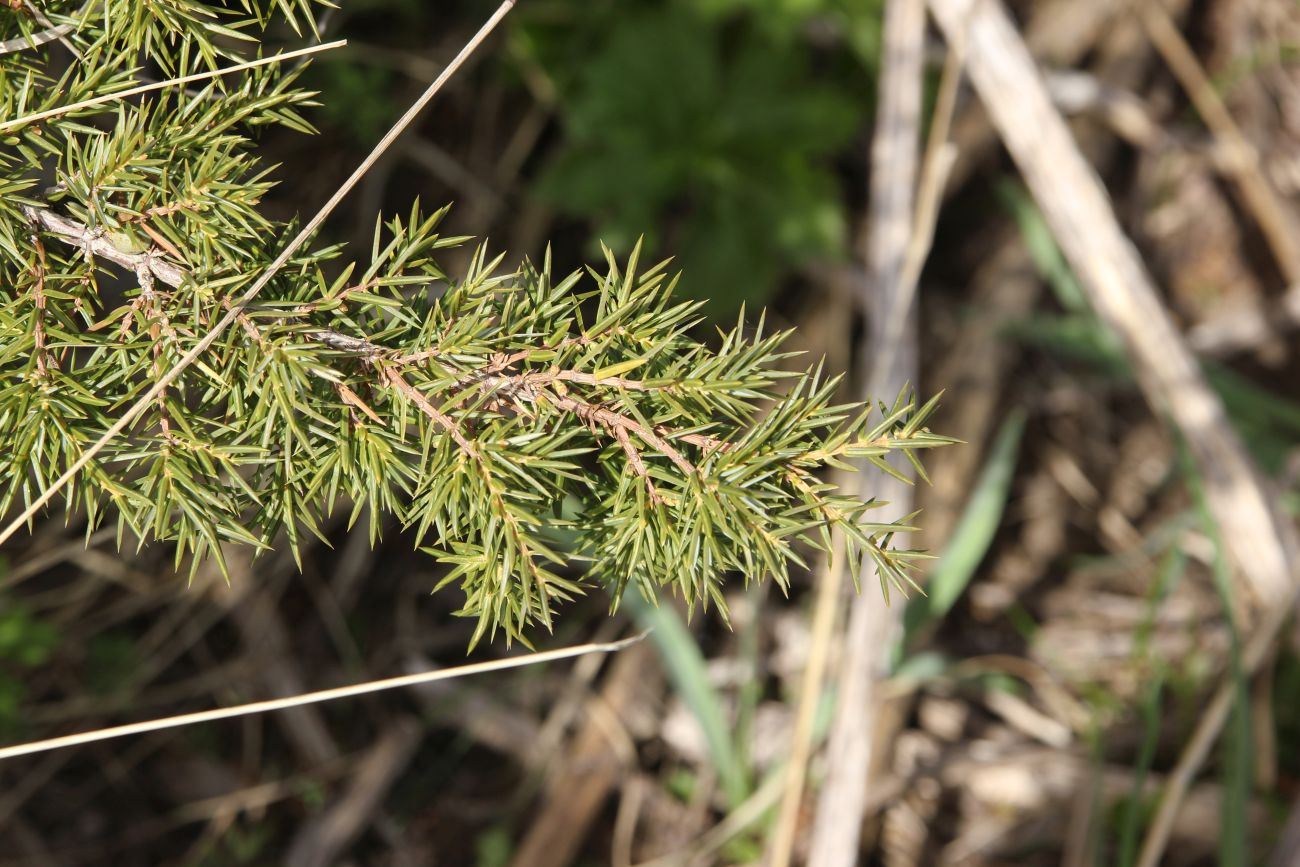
(718, 130)
(1079, 611)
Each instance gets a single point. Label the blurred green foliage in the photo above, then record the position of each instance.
(241, 843)
(26, 642)
(494, 847)
(709, 126)
(25, 639)
(856, 22)
(111, 659)
(361, 103)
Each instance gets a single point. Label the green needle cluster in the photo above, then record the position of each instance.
(539, 435)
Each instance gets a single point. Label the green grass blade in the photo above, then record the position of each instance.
(1237, 761)
(1041, 245)
(973, 534)
(687, 672)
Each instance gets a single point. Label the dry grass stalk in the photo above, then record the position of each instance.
(1257, 650)
(1287, 851)
(119, 95)
(829, 582)
(310, 698)
(328, 835)
(891, 362)
(1076, 207)
(599, 757)
(1241, 159)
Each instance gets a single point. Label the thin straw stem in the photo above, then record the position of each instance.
(7, 125)
(312, 697)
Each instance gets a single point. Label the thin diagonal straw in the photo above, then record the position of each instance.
(314, 697)
(35, 40)
(237, 308)
(7, 125)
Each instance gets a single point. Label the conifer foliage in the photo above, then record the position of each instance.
(538, 434)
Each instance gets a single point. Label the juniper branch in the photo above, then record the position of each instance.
(539, 437)
(278, 262)
(476, 365)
